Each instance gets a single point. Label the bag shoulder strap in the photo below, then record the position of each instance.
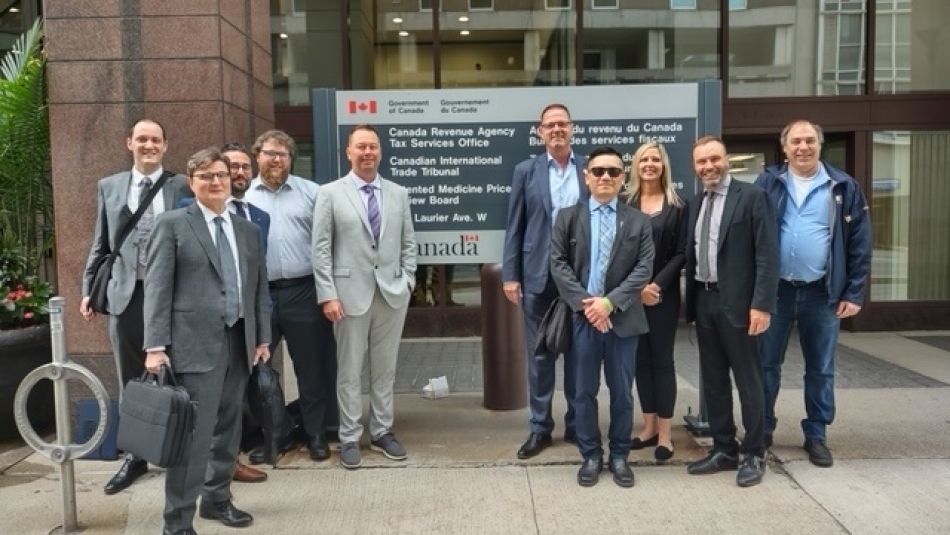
(130, 224)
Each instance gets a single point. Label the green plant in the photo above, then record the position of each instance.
(23, 296)
(26, 193)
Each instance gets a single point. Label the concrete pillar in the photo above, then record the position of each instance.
(202, 68)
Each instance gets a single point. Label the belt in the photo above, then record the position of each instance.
(287, 283)
(708, 286)
(801, 284)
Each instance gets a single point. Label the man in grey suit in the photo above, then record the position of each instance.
(118, 198)
(206, 314)
(364, 264)
(540, 187)
(601, 258)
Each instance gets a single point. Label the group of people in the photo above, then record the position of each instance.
(220, 267)
(794, 247)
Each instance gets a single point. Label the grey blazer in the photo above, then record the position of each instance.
(111, 213)
(629, 267)
(347, 263)
(184, 291)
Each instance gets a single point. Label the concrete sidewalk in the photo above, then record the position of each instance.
(891, 473)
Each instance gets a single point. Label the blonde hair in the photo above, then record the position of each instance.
(666, 179)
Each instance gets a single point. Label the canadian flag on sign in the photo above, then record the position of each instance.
(368, 106)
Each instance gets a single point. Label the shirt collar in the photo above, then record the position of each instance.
(722, 187)
(358, 182)
(571, 160)
(258, 183)
(137, 176)
(594, 205)
(209, 214)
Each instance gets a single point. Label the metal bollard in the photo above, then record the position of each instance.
(504, 368)
(63, 451)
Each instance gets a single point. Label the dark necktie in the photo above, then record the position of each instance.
(372, 210)
(226, 257)
(702, 265)
(239, 208)
(143, 228)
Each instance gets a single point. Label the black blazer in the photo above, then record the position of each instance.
(628, 270)
(669, 243)
(747, 261)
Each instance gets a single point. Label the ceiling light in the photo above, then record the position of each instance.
(403, 33)
(14, 10)
(397, 20)
(741, 157)
(464, 32)
(463, 18)
(284, 36)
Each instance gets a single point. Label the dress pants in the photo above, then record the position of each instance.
(818, 328)
(590, 347)
(127, 334)
(542, 368)
(723, 346)
(296, 316)
(375, 336)
(656, 376)
(219, 398)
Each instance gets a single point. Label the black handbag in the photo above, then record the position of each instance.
(554, 332)
(265, 398)
(102, 265)
(156, 419)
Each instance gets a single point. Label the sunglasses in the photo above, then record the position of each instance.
(614, 172)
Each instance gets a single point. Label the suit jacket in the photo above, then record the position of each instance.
(670, 245)
(111, 213)
(184, 291)
(347, 262)
(258, 217)
(747, 260)
(528, 234)
(629, 266)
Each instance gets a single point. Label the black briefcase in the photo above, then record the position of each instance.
(265, 398)
(156, 419)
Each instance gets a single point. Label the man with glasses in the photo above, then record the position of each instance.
(289, 201)
(601, 258)
(540, 187)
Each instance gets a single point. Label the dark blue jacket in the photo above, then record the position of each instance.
(849, 261)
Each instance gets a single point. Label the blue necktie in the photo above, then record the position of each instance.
(239, 208)
(229, 271)
(372, 210)
(606, 242)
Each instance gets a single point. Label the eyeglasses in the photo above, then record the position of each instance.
(599, 172)
(556, 124)
(208, 177)
(240, 167)
(274, 154)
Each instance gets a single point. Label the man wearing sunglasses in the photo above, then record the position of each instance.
(540, 186)
(601, 258)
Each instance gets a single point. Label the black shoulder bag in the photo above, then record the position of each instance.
(102, 267)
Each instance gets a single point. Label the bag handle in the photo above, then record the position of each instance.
(165, 376)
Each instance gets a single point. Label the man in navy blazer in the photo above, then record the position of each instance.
(601, 258)
(541, 186)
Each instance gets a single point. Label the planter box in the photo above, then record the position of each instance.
(22, 351)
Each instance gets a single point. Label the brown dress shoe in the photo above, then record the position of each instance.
(246, 474)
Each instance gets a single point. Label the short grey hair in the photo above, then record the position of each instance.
(784, 136)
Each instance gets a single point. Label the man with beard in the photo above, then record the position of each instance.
(731, 279)
(540, 187)
(119, 196)
(295, 315)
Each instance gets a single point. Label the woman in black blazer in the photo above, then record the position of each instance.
(651, 190)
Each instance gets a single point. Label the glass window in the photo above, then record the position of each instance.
(640, 45)
(297, 29)
(682, 4)
(797, 48)
(481, 5)
(557, 4)
(736, 5)
(911, 258)
(909, 40)
(11, 26)
(605, 4)
(513, 45)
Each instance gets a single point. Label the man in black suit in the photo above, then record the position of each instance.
(206, 312)
(601, 258)
(731, 283)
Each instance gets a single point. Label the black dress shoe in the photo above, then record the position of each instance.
(638, 444)
(258, 456)
(623, 475)
(818, 452)
(534, 445)
(132, 468)
(226, 513)
(750, 471)
(319, 450)
(188, 531)
(716, 461)
(570, 435)
(589, 473)
(663, 454)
